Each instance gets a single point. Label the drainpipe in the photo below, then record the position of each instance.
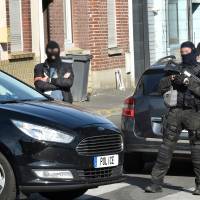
(131, 40)
(167, 27)
(190, 20)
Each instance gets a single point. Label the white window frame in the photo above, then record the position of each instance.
(68, 24)
(112, 27)
(21, 27)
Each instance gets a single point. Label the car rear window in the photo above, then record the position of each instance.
(151, 82)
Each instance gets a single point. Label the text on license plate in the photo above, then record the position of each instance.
(106, 161)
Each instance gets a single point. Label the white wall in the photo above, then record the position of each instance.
(182, 27)
(35, 27)
(183, 20)
(158, 24)
(157, 29)
(37, 23)
(196, 26)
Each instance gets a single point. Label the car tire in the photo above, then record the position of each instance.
(69, 195)
(133, 162)
(7, 180)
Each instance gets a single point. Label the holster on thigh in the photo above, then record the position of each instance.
(171, 133)
(194, 137)
(191, 121)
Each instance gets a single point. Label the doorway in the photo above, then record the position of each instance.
(45, 8)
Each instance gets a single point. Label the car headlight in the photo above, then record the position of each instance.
(43, 133)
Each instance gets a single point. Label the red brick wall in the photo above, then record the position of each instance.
(96, 10)
(99, 34)
(122, 24)
(26, 23)
(80, 23)
(56, 22)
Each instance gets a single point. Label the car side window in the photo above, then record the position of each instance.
(140, 87)
(151, 83)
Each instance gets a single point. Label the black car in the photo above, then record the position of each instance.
(142, 120)
(53, 147)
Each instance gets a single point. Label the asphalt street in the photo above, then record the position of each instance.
(178, 184)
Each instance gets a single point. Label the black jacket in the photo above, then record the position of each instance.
(188, 96)
(60, 83)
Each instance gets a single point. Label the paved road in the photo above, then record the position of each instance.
(178, 184)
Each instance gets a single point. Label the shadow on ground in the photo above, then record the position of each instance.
(142, 182)
(178, 168)
(39, 197)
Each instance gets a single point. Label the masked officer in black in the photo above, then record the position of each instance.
(186, 115)
(54, 77)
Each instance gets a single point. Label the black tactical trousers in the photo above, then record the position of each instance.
(177, 120)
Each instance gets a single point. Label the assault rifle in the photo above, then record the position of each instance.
(178, 69)
(173, 68)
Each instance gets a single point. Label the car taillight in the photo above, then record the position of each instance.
(128, 110)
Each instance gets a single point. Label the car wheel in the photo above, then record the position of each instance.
(133, 162)
(7, 180)
(67, 195)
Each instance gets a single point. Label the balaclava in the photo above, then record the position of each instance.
(53, 56)
(191, 58)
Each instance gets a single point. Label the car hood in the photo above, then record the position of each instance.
(62, 113)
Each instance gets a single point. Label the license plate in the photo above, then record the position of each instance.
(106, 161)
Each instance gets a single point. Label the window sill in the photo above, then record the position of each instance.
(21, 55)
(115, 51)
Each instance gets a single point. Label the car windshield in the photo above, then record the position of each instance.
(151, 83)
(13, 90)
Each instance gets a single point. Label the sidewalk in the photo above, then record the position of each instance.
(106, 102)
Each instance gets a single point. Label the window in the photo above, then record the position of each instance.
(3, 24)
(140, 87)
(151, 82)
(112, 32)
(16, 39)
(173, 22)
(12, 89)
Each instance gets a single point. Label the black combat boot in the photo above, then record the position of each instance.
(153, 188)
(197, 190)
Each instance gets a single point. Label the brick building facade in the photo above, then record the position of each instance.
(16, 56)
(90, 31)
(97, 27)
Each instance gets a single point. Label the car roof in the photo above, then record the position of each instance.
(160, 65)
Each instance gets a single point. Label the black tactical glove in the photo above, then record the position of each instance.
(180, 79)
